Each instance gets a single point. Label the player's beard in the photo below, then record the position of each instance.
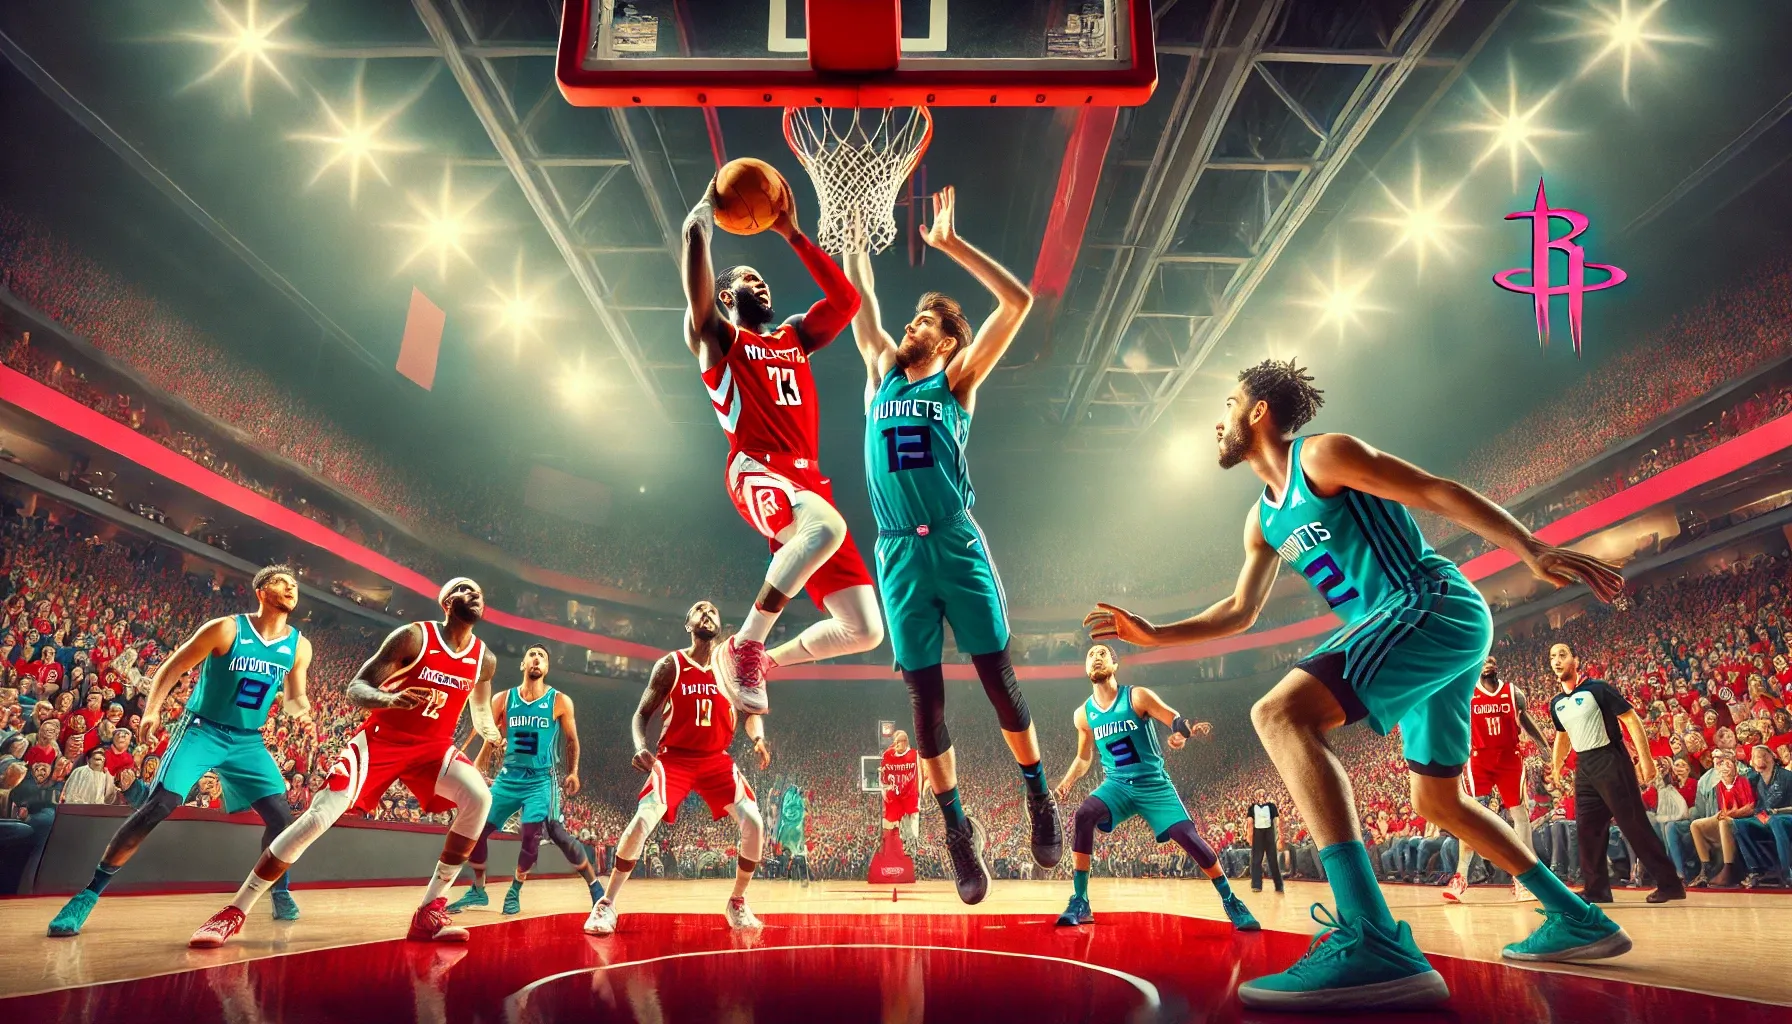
(1234, 446)
(1100, 676)
(532, 674)
(704, 633)
(749, 312)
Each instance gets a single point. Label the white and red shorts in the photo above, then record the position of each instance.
(1484, 775)
(763, 487)
(372, 758)
(715, 777)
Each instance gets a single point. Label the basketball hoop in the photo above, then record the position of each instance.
(858, 160)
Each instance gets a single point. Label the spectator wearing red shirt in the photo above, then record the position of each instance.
(118, 754)
(49, 743)
(77, 730)
(1735, 799)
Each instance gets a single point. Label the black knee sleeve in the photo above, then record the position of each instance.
(525, 857)
(276, 814)
(927, 696)
(481, 849)
(1183, 834)
(1090, 814)
(574, 851)
(997, 675)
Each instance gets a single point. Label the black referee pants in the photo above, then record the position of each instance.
(1605, 791)
(1263, 845)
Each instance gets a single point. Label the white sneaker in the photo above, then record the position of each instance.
(1453, 892)
(740, 916)
(1520, 894)
(602, 920)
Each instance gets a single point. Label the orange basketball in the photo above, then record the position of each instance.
(749, 196)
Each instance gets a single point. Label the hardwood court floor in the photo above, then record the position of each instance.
(1684, 951)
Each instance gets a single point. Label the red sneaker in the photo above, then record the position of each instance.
(1454, 891)
(749, 675)
(218, 930)
(431, 923)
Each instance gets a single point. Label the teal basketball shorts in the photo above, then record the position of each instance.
(791, 838)
(238, 756)
(1155, 800)
(935, 574)
(535, 793)
(1411, 663)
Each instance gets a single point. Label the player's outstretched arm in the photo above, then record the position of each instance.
(569, 728)
(876, 347)
(705, 331)
(1233, 614)
(839, 297)
(1085, 753)
(215, 637)
(481, 707)
(295, 700)
(1148, 703)
(486, 750)
(973, 364)
(1336, 461)
(659, 688)
(401, 647)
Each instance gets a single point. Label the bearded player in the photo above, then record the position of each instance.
(1116, 721)
(534, 719)
(243, 660)
(696, 729)
(757, 373)
(933, 563)
(1415, 638)
(1497, 710)
(899, 774)
(413, 688)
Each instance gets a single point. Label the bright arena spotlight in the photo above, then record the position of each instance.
(895, 510)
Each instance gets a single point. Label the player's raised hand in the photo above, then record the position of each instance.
(1563, 567)
(644, 761)
(942, 233)
(570, 786)
(1111, 622)
(785, 223)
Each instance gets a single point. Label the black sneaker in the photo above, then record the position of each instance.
(965, 845)
(1048, 830)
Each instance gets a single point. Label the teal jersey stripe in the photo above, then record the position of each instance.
(237, 688)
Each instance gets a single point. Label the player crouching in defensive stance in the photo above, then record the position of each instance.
(413, 689)
(1116, 720)
(697, 728)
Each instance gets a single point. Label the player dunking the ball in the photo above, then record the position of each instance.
(1116, 721)
(1498, 714)
(756, 370)
(534, 718)
(243, 660)
(413, 688)
(1415, 637)
(933, 564)
(697, 728)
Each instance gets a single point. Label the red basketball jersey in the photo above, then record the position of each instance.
(764, 394)
(449, 675)
(1495, 718)
(902, 771)
(697, 718)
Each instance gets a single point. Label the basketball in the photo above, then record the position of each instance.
(749, 195)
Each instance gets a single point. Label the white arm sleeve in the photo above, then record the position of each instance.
(483, 724)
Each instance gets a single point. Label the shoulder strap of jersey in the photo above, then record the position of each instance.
(432, 637)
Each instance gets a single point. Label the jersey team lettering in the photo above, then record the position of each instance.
(259, 666)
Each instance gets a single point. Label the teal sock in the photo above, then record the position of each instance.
(102, 877)
(1550, 891)
(1353, 883)
(516, 885)
(950, 808)
(1080, 880)
(281, 884)
(1223, 887)
(1034, 774)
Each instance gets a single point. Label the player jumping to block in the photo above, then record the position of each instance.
(1116, 720)
(1415, 637)
(533, 718)
(757, 373)
(933, 564)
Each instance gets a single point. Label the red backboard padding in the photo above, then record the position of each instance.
(854, 36)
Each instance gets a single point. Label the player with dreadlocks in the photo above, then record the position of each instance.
(1415, 636)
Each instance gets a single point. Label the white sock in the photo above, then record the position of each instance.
(253, 887)
(758, 624)
(614, 889)
(439, 882)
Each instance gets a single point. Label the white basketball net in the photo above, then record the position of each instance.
(859, 161)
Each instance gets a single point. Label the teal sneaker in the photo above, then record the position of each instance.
(1591, 936)
(285, 907)
(513, 899)
(473, 897)
(1240, 915)
(1076, 913)
(1351, 966)
(73, 915)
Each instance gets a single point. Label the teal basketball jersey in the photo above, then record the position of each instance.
(531, 732)
(915, 438)
(1354, 548)
(237, 688)
(1127, 743)
(792, 809)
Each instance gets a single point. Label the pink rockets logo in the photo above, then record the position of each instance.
(1539, 288)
